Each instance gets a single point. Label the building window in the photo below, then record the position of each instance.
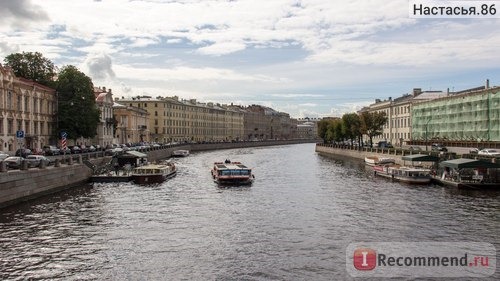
(10, 126)
(26, 100)
(19, 102)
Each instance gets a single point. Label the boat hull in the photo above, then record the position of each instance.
(180, 153)
(233, 181)
(398, 174)
(373, 161)
(152, 178)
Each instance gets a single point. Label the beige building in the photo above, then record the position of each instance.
(174, 120)
(27, 107)
(105, 128)
(264, 123)
(397, 130)
(132, 126)
(307, 128)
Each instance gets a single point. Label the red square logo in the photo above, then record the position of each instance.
(365, 259)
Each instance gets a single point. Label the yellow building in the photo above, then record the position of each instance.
(174, 120)
(132, 126)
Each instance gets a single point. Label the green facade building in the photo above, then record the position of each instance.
(462, 117)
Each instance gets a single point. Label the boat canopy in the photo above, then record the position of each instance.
(137, 154)
(420, 157)
(468, 163)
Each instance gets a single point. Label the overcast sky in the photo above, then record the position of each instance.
(309, 58)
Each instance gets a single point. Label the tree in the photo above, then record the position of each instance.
(334, 130)
(372, 124)
(77, 112)
(351, 124)
(322, 129)
(32, 66)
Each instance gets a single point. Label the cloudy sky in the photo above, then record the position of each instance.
(310, 58)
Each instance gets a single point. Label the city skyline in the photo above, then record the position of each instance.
(306, 58)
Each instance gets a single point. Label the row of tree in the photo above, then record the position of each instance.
(351, 127)
(77, 114)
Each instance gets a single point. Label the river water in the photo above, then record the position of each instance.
(293, 223)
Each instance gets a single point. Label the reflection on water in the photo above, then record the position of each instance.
(293, 223)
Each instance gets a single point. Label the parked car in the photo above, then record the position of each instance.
(84, 148)
(66, 150)
(23, 152)
(474, 151)
(384, 144)
(438, 147)
(14, 162)
(415, 148)
(35, 160)
(51, 150)
(92, 148)
(75, 149)
(489, 152)
(3, 155)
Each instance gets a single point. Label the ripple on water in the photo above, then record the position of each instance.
(293, 223)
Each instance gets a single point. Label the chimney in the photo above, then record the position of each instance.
(109, 91)
(104, 89)
(417, 91)
(487, 86)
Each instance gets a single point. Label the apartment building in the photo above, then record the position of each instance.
(105, 128)
(174, 120)
(132, 124)
(466, 118)
(398, 128)
(28, 109)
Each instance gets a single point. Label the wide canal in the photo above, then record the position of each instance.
(293, 223)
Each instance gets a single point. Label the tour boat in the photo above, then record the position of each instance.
(232, 173)
(180, 153)
(374, 160)
(403, 173)
(153, 173)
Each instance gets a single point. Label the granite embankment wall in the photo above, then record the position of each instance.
(333, 151)
(25, 184)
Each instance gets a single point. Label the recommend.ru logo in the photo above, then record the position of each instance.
(421, 259)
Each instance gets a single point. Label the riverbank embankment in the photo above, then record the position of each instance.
(352, 152)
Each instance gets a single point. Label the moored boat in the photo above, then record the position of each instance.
(375, 160)
(180, 153)
(153, 173)
(232, 173)
(405, 174)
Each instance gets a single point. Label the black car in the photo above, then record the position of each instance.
(51, 150)
(23, 152)
(438, 147)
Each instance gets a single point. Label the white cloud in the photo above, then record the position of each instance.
(256, 48)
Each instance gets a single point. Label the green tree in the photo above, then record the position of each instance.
(32, 66)
(334, 130)
(372, 124)
(77, 112)
(351, 126)
(322, 129)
